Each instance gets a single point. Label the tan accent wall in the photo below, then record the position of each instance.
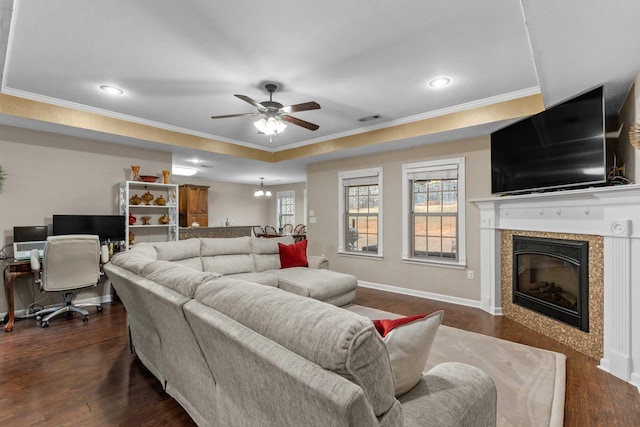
(514, 108)
(36, 110)
(322, 185)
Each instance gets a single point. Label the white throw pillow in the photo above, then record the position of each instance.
(409, 342)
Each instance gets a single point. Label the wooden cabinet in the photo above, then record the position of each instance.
(194, 205)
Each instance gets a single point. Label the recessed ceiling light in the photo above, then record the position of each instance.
(111, 90)
(439, 82)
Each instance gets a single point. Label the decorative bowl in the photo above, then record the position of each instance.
(148, 178)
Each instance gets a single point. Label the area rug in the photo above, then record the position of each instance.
(530, 381)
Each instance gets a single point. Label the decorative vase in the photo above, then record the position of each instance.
(164, 219)
(132, 219)
(131, 238)
(160, 201)
(135, 200)
(136, 173)
(145, 220)
(165, 176)
(147, 197)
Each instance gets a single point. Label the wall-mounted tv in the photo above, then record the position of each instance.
(107, 227)
(561, 147)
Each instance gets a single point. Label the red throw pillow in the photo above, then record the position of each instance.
(386, 325)
(294, 255)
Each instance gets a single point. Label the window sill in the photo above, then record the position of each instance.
(434, 263)
(360, 255)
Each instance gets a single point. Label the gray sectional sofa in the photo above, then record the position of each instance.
(261, 346)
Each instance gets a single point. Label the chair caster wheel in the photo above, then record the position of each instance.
(100, 308)
(85, 319)
(38, 317)
(44, 324)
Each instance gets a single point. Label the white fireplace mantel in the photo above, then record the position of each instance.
(611, 212)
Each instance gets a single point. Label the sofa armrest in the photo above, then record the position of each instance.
(451, 394)
(318, 262)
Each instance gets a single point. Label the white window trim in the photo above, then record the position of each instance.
(359, 173)
(409, 168)
(291, 194)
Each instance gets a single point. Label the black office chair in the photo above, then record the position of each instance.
(71, 263)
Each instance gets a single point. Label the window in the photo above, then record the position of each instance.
(360, 207)
(286, 208)
(434, 212)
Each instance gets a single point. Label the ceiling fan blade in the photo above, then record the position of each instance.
(235, 115)
(252, 102)
(305, 106)
(298, 122)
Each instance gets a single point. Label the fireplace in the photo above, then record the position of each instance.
(551, 277)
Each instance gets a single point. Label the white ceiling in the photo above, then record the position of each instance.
(179, 63)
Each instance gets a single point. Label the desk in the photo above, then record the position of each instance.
(13, 270)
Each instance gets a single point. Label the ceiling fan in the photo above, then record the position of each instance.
(274, 113)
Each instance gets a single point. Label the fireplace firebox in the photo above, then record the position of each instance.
(551, 277)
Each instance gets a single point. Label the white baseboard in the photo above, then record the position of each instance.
(421, 294)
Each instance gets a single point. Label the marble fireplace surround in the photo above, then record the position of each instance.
(610, 212)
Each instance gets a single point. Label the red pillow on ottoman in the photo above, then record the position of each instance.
(294, 255)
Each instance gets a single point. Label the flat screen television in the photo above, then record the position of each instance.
(563, 146)
(106, 227)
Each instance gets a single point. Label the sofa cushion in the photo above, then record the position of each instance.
(185, 252)
(263, 246)
(294, 255)
(211, 246)
(262, 278)
(228, 264)
(409, 342)
(335, 339)
(266, 254)
(132, 261)
(317, 284)
(179, 278)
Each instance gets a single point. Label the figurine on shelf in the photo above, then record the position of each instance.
(160, 201)
(136, 173)
(135, 200)
(131, 238)
(145, 220)
(147, 197)
(165, 176)
(164, 219)
(132, 219)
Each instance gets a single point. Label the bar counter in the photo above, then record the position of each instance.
(231, 231)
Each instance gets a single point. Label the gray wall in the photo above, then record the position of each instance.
(322, 184)
(54, 174)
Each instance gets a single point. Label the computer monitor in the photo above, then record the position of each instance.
(36, 233)
(107, 227)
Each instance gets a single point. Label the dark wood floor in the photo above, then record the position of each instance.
(76, 373)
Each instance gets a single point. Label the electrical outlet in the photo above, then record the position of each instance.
(470, 274)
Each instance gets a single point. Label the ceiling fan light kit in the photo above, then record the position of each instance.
(270, 125)
(274, 114)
